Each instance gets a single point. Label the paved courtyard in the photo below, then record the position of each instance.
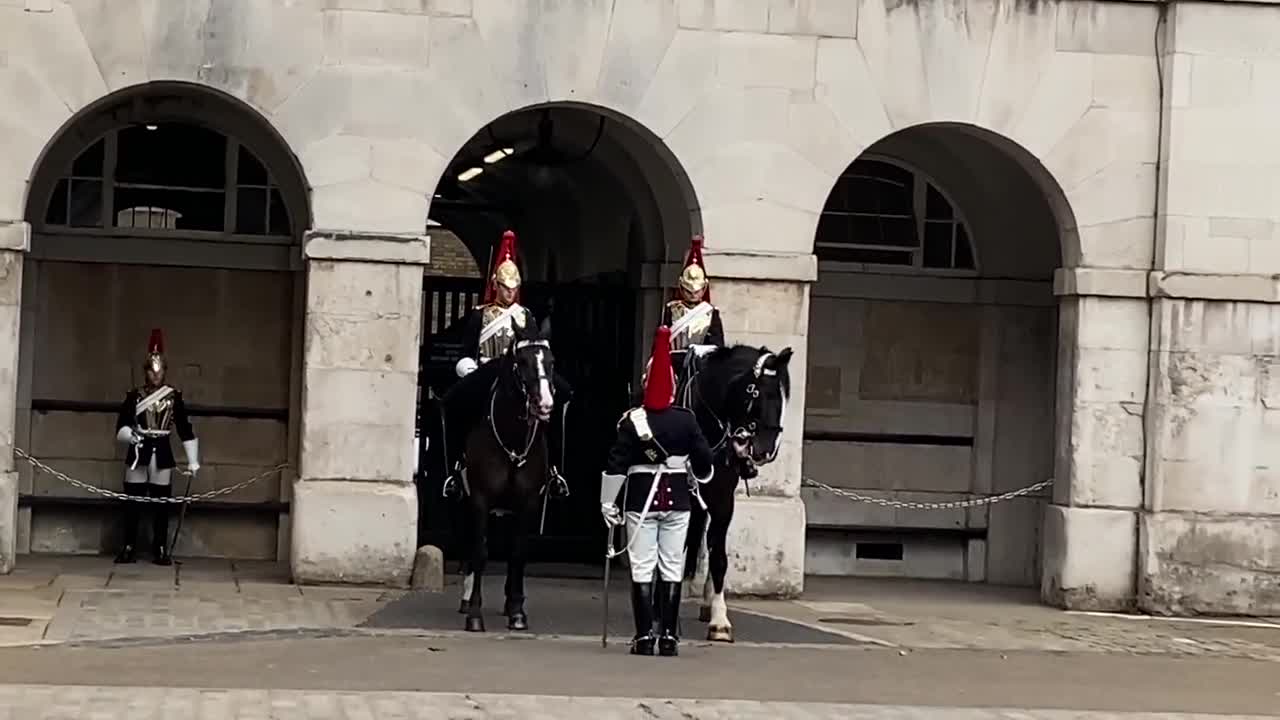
(52, 702)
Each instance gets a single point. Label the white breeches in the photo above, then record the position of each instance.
(659, 542)
(149, 473)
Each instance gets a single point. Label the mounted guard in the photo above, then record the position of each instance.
(694, 321)
(655, 468)
(490, 330)
(148, 416)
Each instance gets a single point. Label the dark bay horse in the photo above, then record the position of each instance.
(739, 395)
(506, 467)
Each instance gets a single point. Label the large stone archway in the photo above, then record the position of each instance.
(152, 208)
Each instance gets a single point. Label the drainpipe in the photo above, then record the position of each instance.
(1148, 431)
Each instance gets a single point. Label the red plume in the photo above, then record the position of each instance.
(661, 383)
(156, 344)
(506, 251)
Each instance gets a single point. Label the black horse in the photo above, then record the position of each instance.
(506, 467)
(739, 395)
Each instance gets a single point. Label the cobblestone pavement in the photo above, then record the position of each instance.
(53, 702)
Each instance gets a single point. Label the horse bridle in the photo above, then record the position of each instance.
(517, 458)
(746, 432)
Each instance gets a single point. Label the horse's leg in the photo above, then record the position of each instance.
(719, 628)
(521, 523)
(473, 581)
(693, 547)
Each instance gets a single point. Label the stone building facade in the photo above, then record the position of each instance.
(1081, 283)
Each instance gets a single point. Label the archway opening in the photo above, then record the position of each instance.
(167, 206)
(937, 246)
(601, 209)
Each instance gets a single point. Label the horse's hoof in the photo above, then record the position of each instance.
(704, 614)
(475, 624)
(720, 633)
(518, 621)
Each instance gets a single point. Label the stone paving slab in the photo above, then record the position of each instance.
(53, 702)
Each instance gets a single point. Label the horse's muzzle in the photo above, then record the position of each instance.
(542, 411)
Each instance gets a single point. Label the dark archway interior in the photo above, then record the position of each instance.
(597, 204)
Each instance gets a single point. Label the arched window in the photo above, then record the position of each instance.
(173, 179)
(882, 213)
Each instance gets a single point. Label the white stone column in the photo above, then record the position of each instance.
(355, 508)
(764, 300)
(1090, 529)
(15, 240)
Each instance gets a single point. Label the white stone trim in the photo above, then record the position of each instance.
(1105, 282)
(362, 247)
(15, 235)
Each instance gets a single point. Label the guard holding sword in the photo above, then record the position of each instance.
(654, 470)
(148, 416)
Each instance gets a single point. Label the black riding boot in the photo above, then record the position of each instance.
(160, 525)
(642, 610)
(669, 618)
(132, 517)
(454, 447)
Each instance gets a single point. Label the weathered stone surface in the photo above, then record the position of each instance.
(827, 18)
(428, 569)
(353, 37)
(1194, 564)
(8, 521)
(1076, 575)
(354, 532)
(766, 554)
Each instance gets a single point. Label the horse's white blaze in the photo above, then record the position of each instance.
(544, 384)
(468, 584)
(719, 611)
(782, 419)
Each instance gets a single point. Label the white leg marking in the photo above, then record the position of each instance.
(468, 583)
(544, 384)
(719, 611)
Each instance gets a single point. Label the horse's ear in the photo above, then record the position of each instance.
(784, 357)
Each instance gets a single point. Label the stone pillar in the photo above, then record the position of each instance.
(1091, 528)
(1210, 533)
(764, 300)
(355, 507)
(15, 240)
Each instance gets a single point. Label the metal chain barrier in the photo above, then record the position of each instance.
(146, 499)
(913, 505)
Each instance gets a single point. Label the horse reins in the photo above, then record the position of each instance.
(531, 432)
(745, 432)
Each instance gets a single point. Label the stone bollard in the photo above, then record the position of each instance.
(428, 569)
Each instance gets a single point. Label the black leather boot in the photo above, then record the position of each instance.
(642, 610)
(132, 516)
(160, 525)
(669, 619)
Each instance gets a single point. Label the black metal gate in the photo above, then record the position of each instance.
(592, 334)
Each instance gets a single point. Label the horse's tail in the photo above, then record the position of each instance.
(693, 541)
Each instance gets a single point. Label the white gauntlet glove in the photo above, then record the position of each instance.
(612, 516)
(192, 448)
(127, 436)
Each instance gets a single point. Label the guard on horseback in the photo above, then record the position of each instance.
(654, 469)
(694, 321)
(490, 330)
(147, 418)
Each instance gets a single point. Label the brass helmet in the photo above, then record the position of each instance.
(155, 361)
(693, 278)
(505, 271)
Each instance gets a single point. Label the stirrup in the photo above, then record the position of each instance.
(556, 485)
(452, 489)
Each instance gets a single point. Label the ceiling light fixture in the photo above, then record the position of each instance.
(469, 173)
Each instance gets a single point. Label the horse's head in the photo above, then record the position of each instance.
(532, 368)
(767, 389)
